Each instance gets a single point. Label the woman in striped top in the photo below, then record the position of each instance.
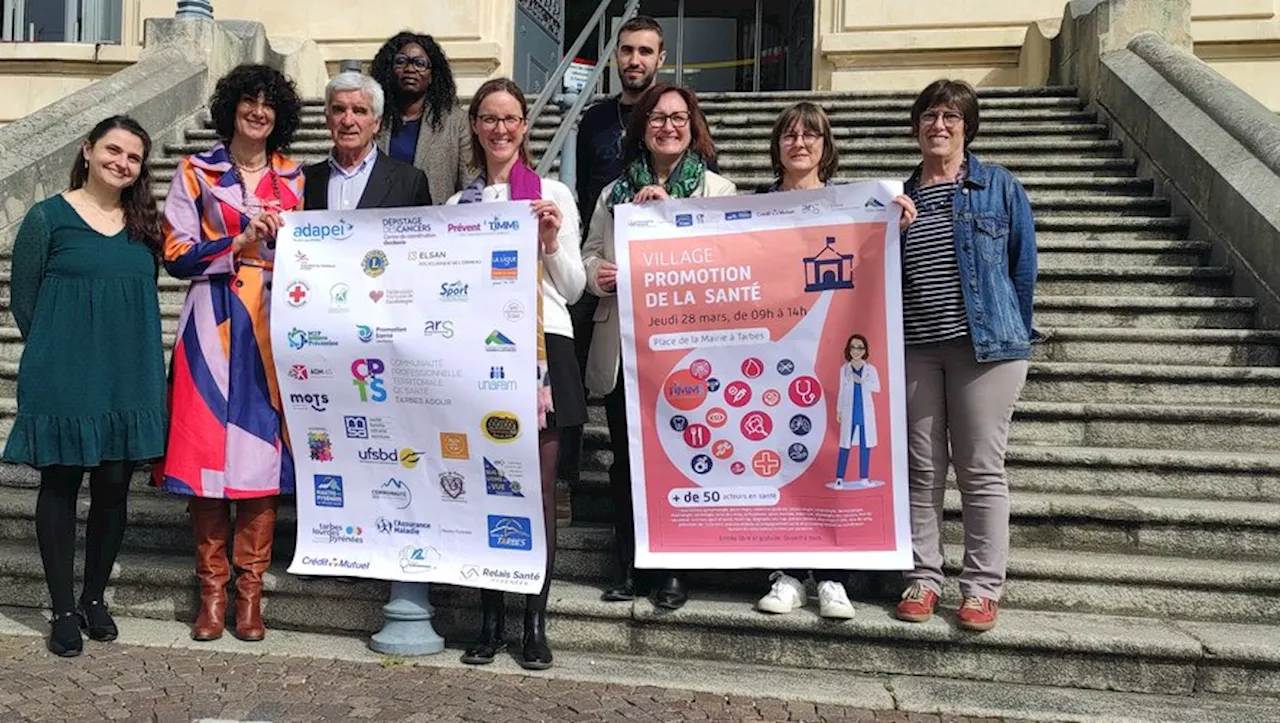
(804, 155)
(968, 277)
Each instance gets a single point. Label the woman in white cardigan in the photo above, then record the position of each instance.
(667, 146)
(499, 147)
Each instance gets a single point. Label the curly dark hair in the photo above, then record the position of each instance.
(141, 217)
(442, 93)
(250, 81)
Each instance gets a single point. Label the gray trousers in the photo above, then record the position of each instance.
(951, 395)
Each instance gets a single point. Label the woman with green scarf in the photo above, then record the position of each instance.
(666, 147)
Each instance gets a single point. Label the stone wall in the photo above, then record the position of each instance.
(170, 82)
(1212, 148)
(869, 45)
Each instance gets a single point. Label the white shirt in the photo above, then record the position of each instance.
(346, 187)
(563, 278)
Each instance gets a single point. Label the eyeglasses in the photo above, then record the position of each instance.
(808, 138)
(489, 122)
(418, 61)
(950, 119)
(678, 120)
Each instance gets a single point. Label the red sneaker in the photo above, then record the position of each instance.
(918, 603)
(977, 613)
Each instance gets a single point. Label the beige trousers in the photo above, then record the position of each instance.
(950, 395)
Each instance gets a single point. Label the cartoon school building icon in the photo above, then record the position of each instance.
(828, 270)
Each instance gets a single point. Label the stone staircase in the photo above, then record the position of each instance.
(1145, 459)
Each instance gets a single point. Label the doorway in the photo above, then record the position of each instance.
(729, 45)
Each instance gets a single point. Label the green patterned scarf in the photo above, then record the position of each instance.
(688, 173)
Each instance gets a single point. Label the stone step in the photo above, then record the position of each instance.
(731, 152)
(1110, 253)
(721, 118)
(1040, 578)
(1172, 346)
(869, 165)
(1152, 384)
(785, 97)
(1154, 426)
(1041, 131)
(1068, 650)
(1172, 473)
(1054, 280)
(726, 128)
(1145, 312)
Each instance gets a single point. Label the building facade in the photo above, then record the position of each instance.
(54, 47)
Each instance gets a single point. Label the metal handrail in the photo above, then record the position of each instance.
(575, 111)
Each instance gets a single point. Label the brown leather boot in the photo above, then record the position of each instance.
(251, 555)
(211, 527)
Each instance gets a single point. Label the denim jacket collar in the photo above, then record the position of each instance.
(976, 177)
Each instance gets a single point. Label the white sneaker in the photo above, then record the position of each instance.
(833, 601)
(786, 595)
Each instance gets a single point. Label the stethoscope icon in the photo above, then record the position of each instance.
(805, 392)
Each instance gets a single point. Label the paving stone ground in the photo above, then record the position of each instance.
(128, 683)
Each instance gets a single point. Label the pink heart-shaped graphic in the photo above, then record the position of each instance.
(376, 296)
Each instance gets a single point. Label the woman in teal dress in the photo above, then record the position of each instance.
(91, 384)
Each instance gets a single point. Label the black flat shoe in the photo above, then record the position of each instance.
(536, 654)
(64, 635)
(483, 652)
(672, 594)
(97, 622)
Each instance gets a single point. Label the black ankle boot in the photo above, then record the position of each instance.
(537, 652)
(624, 591)
(97, 622)
(64, 635)
(672, 593)
(490, 641)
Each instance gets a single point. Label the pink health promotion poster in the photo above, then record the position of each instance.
(762, 356)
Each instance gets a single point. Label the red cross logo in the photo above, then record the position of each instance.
(297, 293)
(766, 463)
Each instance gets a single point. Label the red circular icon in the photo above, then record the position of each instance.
(805, 391)
(756, 426)
(684, 391)
(737, 394)
(717, 417)
(771, 398)
(766, 463)
(752, 368)
(722, 449)
(700, 369)
(737, 468)
(697, 436)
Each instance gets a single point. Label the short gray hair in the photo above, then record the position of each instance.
(352, 80)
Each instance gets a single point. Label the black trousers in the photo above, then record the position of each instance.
(56, 528)
(583, 327)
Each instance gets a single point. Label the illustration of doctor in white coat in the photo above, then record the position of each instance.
(856, 413)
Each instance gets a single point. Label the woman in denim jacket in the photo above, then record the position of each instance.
(969, 272)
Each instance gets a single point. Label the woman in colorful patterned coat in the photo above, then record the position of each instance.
(226, 436)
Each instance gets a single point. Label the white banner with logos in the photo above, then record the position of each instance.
(405, 344)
